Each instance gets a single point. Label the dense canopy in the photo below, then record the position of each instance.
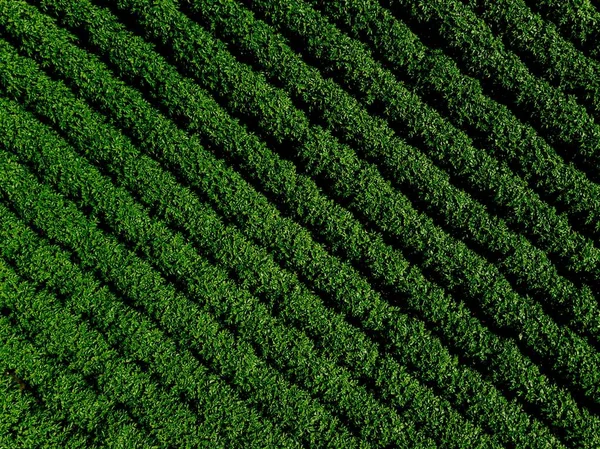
(299, 224)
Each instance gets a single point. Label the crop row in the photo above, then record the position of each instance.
(578, 21)
(25, 419)
(540, 44)
(491, 125)
(181, 263)
(66, 394)
(264, 223)
(157, 189)
(361, 187)
(72, 342)
(23, 423)
(555, 115)
(236, 360)
(150, 181)
(79, 118)
(515, 256)
(458, 211)
(138, 337)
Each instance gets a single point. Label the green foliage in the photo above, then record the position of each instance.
(182, 317)
(269, 51)
(541, 45)
(497, 130)
(577, 20)
(555, 115)
(352, 288)
(71, 342)
(513, 254)
(459, 269)
(340, 339)
(25, 421)
(66, 394)
(212, 233)
(137, 338)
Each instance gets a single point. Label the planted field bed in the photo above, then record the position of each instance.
(299, 224)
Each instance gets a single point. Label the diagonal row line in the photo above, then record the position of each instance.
(78, 403)
(541, 47)
(40, 96)
(93, 140)
(578, 22)
(366, 192)
(491, 125)
(138, 337)
(27, 417)
(189, 321)
(129, 47)
(72, 341)
(214, 297)
(528, 266)
(556, 116)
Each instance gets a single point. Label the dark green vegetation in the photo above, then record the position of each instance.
(284, 223)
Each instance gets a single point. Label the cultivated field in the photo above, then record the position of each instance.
(364, 224)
